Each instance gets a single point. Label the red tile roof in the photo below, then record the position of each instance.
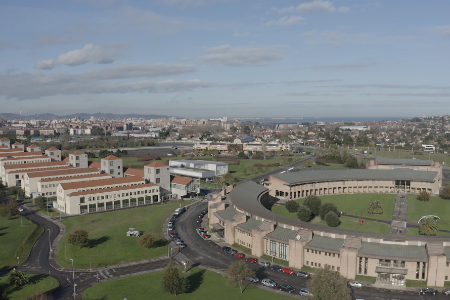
(64, 172)
(94, 164)
(18, 154)
(95, 176)
(78, 152)
(111, 157)
(66, 160)
(135, 172)
(5, 150)
(181, 180)
(15, 171)
(102, 182)
(26, 157)
(33, 146)
(156, 164)
(4, 139)
(35, 165)
(4, 147)
(52, 149)
(121, 188)
(17, 143)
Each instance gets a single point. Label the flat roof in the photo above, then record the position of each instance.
(198, 162)
(292, 178)
(114, 189)
(407, 162)
(228, 213)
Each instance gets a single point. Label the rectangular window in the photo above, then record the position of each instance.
(82, 200)
(423, 270)
(307, 250)
(111, 172)
(158, 171)
(111, 164)
(267, 244)
(338, 269)
(158, 180)
(332, 268)
(417, 270)
(307, 263)
(366, 262)
(283, 251)
(360, 265)
(273, 248)
(446, 277)
(315, 264)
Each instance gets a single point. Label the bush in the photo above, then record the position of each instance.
(314, 203)
(332, 219)
(445, 192)
(304, 213)
(327, 207)
(423, 196)
(292, 206)
(428, 227)
(375, 207)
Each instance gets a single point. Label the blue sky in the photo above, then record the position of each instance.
(211, 58)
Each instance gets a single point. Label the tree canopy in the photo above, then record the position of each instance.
(173, 282)
(17, 278)
(329, 285)
(332, 219)
(78, 238)
(327, 207)
(237, 272)
(314, 203)
(445, 192)
(428, 226)
(423, 196)
(304, 213)
(146, 240)
(292, 206)
(375, 207)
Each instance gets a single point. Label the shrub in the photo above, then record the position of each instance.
(445, 192)
(304, 213)
(332, 219)
(327, 207)
(314, 203)
(375, 207)
(428, 227)
(292, 206)
(423, 196)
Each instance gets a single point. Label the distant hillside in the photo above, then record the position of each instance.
(107, 116)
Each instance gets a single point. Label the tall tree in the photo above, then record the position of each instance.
(78, 238)
(146, 240)
(172, 282)
(445, 192)
(304, 213)
(40, 201)
(327, 207)
(329, 285)
(237, 272)
(17, 278)
(314, 204)
(292, 206)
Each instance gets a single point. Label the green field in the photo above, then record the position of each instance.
(367, 226)
(37, 284)
(436, 206)
(108, 243)
(127, 161)
(203, 285)
(16, 240)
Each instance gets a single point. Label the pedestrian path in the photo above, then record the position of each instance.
(398, 224)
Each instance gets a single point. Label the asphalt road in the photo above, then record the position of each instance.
(207, 253)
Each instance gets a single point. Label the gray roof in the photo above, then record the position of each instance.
(408, 162)
(447, 252)
(382, 251)
(250, 224)
(197, 162)
(359, 174)
(246, 139)
(282, 234)
(227, 213)
(323, 242)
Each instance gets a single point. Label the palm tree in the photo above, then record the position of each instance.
(17, 278)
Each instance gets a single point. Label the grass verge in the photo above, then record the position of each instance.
(108, 243)
(416, 283)
(203, 285)
(37, 284)
(276, 261)
(368, 279)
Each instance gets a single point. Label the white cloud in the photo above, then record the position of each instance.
(286, 21)
(100, 55)
(343, 66)
(241, 56)
(241, 34)
(315, 6)
(183, 3)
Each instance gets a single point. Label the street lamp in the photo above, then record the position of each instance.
(73, 278)
(17, 261)
(50, 245)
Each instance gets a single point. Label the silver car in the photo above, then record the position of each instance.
(356, 284)
(305, 292)
(264, 263)
(269, 283)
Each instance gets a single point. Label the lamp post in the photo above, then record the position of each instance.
(73, 278)
(17, 261)
(50, 245)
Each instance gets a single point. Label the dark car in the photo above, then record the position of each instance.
(232, 251)
(200, 216)
(286, 287)
(302, 274)
(428, 291)
(225, 248)
(199, 220)
(276, 268)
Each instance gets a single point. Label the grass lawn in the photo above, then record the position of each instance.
(16, 240)
(203, 285)
(37, 284)
(108, 243)
(353, 224)
(352, 204)
(126, 161)
(213, 185)
(436, 206)
(330, 166)
(415, 231)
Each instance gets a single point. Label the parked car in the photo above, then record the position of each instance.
(225, 248)
(232, 251)
(200, 216)
(428, 291)
(446, 292)
(201, 229)
(182, 245)
(305, 292)
(252, 278)
(302, 274)
(269, 283)
(239, 255)
(251, 259)
(173, 234)
(206, 236)
(356, 284)
(288, 271)
(170, 228)
(171, 223)
(264, 263)
(276, 268)
(199, 220)
(286, 288)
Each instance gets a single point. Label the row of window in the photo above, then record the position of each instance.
(93, 198)
(45, 186)
(319, 265)
(320, 252)
(244, 244)
(244, 232)
(24, 162)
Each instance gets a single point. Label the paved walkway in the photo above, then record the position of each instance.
(398, 224)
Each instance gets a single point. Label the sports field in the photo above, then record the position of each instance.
(108, 243)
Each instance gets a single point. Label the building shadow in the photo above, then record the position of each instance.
(195, 280)
(95, 242)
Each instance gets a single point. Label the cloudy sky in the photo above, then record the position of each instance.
(211, 58)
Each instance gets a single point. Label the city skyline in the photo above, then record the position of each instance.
(212, 58)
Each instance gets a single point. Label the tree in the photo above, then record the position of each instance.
(423, 196)
(375, 208)
(3, 295)
(332, 219)
(237, 272)
(17, 278)
(314, 203)
(182, 152)
(445, 192)
(78, 238)
(304, 213)
(242, 155)
(292, 206)
(286, 152)
(327, 207)
(40, 201)
(218, 180)
(228, 178)
(172, 282)
(247, 130)
(329, 285)
(146, 240)
(307, 163)
(428, 226)
(12, 207)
